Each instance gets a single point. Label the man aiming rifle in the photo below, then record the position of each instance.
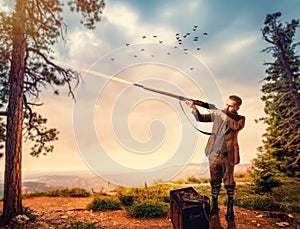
(222, 149)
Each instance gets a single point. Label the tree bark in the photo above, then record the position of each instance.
(12, 201)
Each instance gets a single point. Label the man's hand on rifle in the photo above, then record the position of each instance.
(190, 104)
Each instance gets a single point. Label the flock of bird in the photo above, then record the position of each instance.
(192, 36)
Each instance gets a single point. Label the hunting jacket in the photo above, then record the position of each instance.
(223, 130)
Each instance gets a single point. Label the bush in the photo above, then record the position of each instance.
(282, 198)
(126, 200)
(165, 199)
(104, 204)
(155, 193)
(193, 180)
(147, 210)
(266, 203)
(259, 202)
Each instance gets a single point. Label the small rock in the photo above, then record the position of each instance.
(70, 212)
(283, 224)
(20, 219)
(259, 216)
(64, 217)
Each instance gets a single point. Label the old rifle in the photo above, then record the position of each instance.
(181, 98)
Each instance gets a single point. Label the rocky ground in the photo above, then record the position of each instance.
(60, 212)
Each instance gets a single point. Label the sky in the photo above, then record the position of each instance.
(199, 49)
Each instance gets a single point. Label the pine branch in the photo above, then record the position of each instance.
(296, 160)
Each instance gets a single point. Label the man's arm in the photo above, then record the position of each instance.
(235, 123)
(198, 116)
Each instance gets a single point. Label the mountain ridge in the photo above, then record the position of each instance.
(45, 181)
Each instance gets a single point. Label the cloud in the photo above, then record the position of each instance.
(238, 45)
(86, 46)
(120, 15)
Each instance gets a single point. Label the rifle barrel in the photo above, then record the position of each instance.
(166, 93)
(182, 98)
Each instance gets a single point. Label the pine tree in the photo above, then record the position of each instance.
(28, 34)
(281, 144)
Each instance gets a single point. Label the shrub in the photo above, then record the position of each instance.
(104, 204)
(247, 197)
(72, 192)
(147, 210)
(266, 203)
(165, 199)
(126, 200)
(193, 179)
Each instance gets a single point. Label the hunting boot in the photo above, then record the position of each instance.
(230, 212)
(214, 203)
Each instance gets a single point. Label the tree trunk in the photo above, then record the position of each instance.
(12, 202)
(287, 69)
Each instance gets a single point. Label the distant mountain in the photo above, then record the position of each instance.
(29, 187)
(51, 182)
(45, 181)
(67, 181)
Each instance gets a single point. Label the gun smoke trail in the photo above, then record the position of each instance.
(100, 74)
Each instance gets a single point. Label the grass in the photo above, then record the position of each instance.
(285, 197)
(67, 192)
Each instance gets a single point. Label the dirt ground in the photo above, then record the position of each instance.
(60, 212)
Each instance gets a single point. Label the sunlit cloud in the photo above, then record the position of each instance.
(120, 15)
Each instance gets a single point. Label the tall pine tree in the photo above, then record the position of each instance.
(26, 66)
(281, 145)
